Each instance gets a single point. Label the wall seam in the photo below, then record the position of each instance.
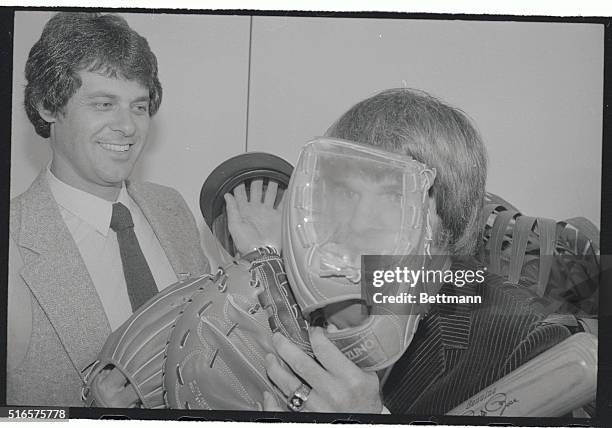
(248, 95)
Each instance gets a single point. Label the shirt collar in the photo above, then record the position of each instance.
(89, 208)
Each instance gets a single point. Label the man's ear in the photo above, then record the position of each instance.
(434, 219)
(47, 115)
(430, 177)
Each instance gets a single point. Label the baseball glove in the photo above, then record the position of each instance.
(215, 354)
(137, 348)
(559, 260)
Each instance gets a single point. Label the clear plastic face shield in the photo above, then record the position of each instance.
(346, 200)
(355, 200)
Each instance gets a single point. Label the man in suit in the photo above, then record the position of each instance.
(457, 349)
(88, 246)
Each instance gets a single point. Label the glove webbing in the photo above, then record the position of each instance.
(277, 298)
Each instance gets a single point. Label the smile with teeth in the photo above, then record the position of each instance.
(116, 147)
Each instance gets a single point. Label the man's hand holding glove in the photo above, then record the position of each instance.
(337, 384)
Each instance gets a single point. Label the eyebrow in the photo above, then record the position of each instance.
(143, 98)
(102, 94)
(347, 182)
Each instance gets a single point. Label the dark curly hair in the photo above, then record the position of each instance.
(72, 42)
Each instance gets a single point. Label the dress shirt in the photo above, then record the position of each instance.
(88, 220)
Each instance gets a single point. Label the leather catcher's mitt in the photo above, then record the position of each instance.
(215, 355)
(137, 347)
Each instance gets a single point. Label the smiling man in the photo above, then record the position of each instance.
(101, 133)
(88, 247)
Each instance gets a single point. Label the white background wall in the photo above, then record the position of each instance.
(533, 89)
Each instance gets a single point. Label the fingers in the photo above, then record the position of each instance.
(270, 195)
(233, 213)
(270, 404)
(115, 379)
(281, 202)
(240, 195)
(301, 363)
(256, 190)
(288, 383)
(111, 385)
(127, 397)
(284, 380)
(330, 357)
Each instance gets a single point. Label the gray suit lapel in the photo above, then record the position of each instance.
(162, 217)
(58, 278)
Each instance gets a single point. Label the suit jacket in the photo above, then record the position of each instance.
(458, 350)
(67, 322)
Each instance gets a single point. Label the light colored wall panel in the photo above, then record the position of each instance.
(533, 89)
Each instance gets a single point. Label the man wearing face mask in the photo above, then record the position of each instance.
(457, 350)
(400, 174)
